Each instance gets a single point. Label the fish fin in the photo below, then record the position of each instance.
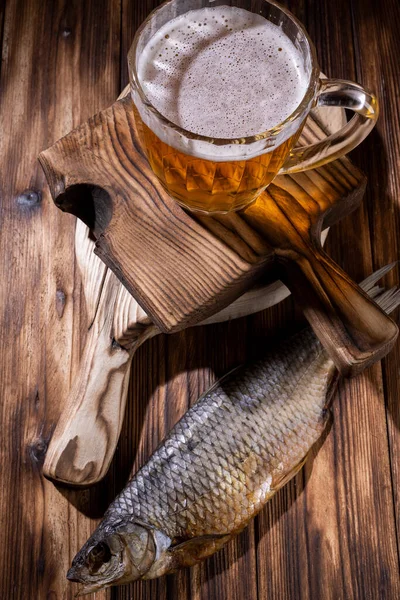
(388, 300)
(368, 284)
(278, 483)
(219, 381)
(196, 549)
(331, 391)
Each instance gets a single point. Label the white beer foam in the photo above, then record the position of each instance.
(222, 72)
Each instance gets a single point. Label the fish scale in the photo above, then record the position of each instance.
(242, 440)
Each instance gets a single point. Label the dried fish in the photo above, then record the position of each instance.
(242, 441)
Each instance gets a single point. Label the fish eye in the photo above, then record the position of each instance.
(99, 555)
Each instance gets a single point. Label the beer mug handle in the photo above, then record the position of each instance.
(345, 94)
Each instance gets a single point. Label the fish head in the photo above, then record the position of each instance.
(115, 554)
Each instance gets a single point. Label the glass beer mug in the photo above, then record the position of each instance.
(221, 91)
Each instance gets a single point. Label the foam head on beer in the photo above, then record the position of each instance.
(222, 72)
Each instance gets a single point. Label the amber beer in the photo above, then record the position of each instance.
(206, 185)
(223, 75)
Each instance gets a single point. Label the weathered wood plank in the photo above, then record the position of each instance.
(324, 544)
(377, 62)
(2, 12)
(60, 62)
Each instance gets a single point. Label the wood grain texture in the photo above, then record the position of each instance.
(47, 72)
(325, 527)
(382, 54)
(331, 532)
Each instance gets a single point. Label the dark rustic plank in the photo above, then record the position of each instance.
(60, 63)
(2, 12)
(377, 60)
(315, 541)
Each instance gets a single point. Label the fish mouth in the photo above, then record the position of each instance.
(90, 588)
(84, 588)
(87, 589)
(72, 575)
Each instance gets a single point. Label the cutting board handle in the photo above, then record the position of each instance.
(353, 329)
(84, 441)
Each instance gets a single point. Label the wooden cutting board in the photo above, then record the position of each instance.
(182, 268)
(86, 436)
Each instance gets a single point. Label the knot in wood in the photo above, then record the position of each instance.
(30, 197)
(60, 302)
(37, 450)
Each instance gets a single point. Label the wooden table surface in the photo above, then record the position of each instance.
(332, 532)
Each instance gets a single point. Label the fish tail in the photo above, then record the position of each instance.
(388, 300)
